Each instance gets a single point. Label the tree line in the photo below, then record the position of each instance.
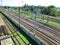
(49, 10)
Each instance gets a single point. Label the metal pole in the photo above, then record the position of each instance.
(19, 12)
(19, 15)
(35, 25)
(36, 12)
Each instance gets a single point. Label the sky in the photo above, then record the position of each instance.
(30, 2)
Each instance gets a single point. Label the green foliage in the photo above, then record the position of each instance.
(53, 11)
(6, 7)
(51, 6)
(50, 10)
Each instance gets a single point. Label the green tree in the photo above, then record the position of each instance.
(53, 11)
(5, 7)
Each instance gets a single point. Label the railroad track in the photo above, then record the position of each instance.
(42, 26)
(51, 19)
(39, 33)
(39, 23)
(9, 27)
(15, 33)
(45, 36)
(57, 32)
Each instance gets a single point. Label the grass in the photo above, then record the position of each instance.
(54, 23)
(25, 39)
(50, 23)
